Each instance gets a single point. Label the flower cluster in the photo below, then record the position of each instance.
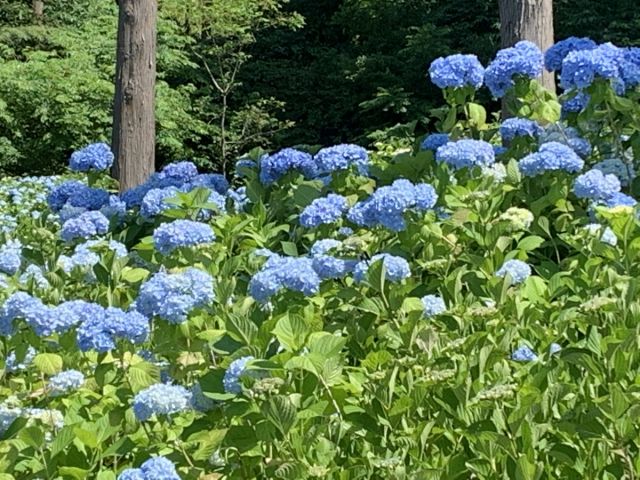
(466, 153)
(324, 210)
(567, 136)
(456, 71)
(12, 365)
(11, 257)
(519, 127)
(524, 59)
(233, 374)
(524, 354)
(433, 305)
(595, 185)
(396, 268)
(518, 270)
(273, 167)
(555, 55)
(341, 157)
(551, 156)
(65, 382)
(97, 156)
(328, 266)
(181, 233)
(615, 166)
(172, 296)
(84, 226)
(86, 255)
(161, 399)
(518, 218)
(434, 141)
(388, 204)
(292, 273)
(605, 234)
(104, 326)
(157, 468)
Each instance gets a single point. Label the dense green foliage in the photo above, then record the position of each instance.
(287, 73)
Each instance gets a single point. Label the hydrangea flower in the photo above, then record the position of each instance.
(614, 166)
(433, 305)
(85, 226)
(594, 185)
(575, 102)
(341, 157)
(605, 234)
(11, 257)
(554, 348)
(580, 68)
(388, 204)
(213, 181)
(567, 136)
(551, 156)
(85, 255)
(292, 273)
(59, 196)
(396, 268)
(178, 173)
(273, 167)
(34, 273)
(466, 153)
(518, 218)
(65, 382)
(524, 59)
(328, 266)
(456, 71)
(153, 203)
(11, 364)
(231, 380)
(555, 55)
(324, 211)
(8, 415)
(101, 331)
(161, 399)
(524, 354)
(181, 233)
(618, 199)
(97, 156)
(518, 270)
(435, 140)
(519, 127)
(172, 296)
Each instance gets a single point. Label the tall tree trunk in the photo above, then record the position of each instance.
(528, 20)
(134, 129)
(38, 10)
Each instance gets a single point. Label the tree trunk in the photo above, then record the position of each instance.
(134, 129)
(528, 20)
(38, 10)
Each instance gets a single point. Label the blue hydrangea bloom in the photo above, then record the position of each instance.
(594, 185)
(575, 102)
(388, 204)
(8, 415)
(100, 332)
(12, 365)
(213, 181)
(59, 195)
(292, 273)
(181, 233)
(434, 140)
(239, 198)
(345, 231)
(172, 296)
(396, 268)
(618, 199)
(524, 354)
(11, 257)
(231, 380)
(132, 474)
(615, 166)
(341, 157)
(65, 382)
(329, 267)
(179, 173)
(581, 68)
(456, 71)
(273, 167)
(34, 273)
(554, 348)
(161, 399)
(605, 234)
(97, 156)
(85, 226)
(518, 270)
(324, 210)
(159, 468)
(116, 209)
(519, 127)
(89, 198)
(433, 305)
(551, 156)
(555, 55)
(466, 153)
(322, 247)
(524, 59)
(153, 203)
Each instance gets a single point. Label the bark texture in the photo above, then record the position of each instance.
(528, 20)
(38, 10)
(134, 133)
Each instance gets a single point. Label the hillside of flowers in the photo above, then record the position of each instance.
(467, 308)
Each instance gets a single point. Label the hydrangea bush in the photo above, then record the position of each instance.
(466, 309)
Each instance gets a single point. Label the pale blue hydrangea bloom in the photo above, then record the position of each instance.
(524, 354)
(615, 166)
(435, 140)
(65, 382)
(554, 348)
(594, 185)
(518, 270)
(551, 156)
(433, 305)
(324, 211)
(466, 153)
(156, 468)
(35, 274)
(554, 56)
(519, 127)
(232, 377)
(273, 167)
(11, 364)
(522, 60)
(97, 156)
(618, 200)
(181, 233)
(11, 257)
(161, 399)
(105, 327)
(86, 225)
(396, 268)
(292, 273)
(341, 157)
(605, 234)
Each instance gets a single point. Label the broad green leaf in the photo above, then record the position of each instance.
(48, 363)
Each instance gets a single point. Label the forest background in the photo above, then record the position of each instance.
(239, 74)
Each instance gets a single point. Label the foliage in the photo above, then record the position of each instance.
(480, 320)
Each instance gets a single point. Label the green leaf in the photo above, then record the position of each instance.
(326, 344)
(143, 375)
(86, 437)
(134, 275)
(291, 331)
(280, 412)
(32, 436)
(477, 114)
(48, 363)
(530, 243)
(73, 472)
